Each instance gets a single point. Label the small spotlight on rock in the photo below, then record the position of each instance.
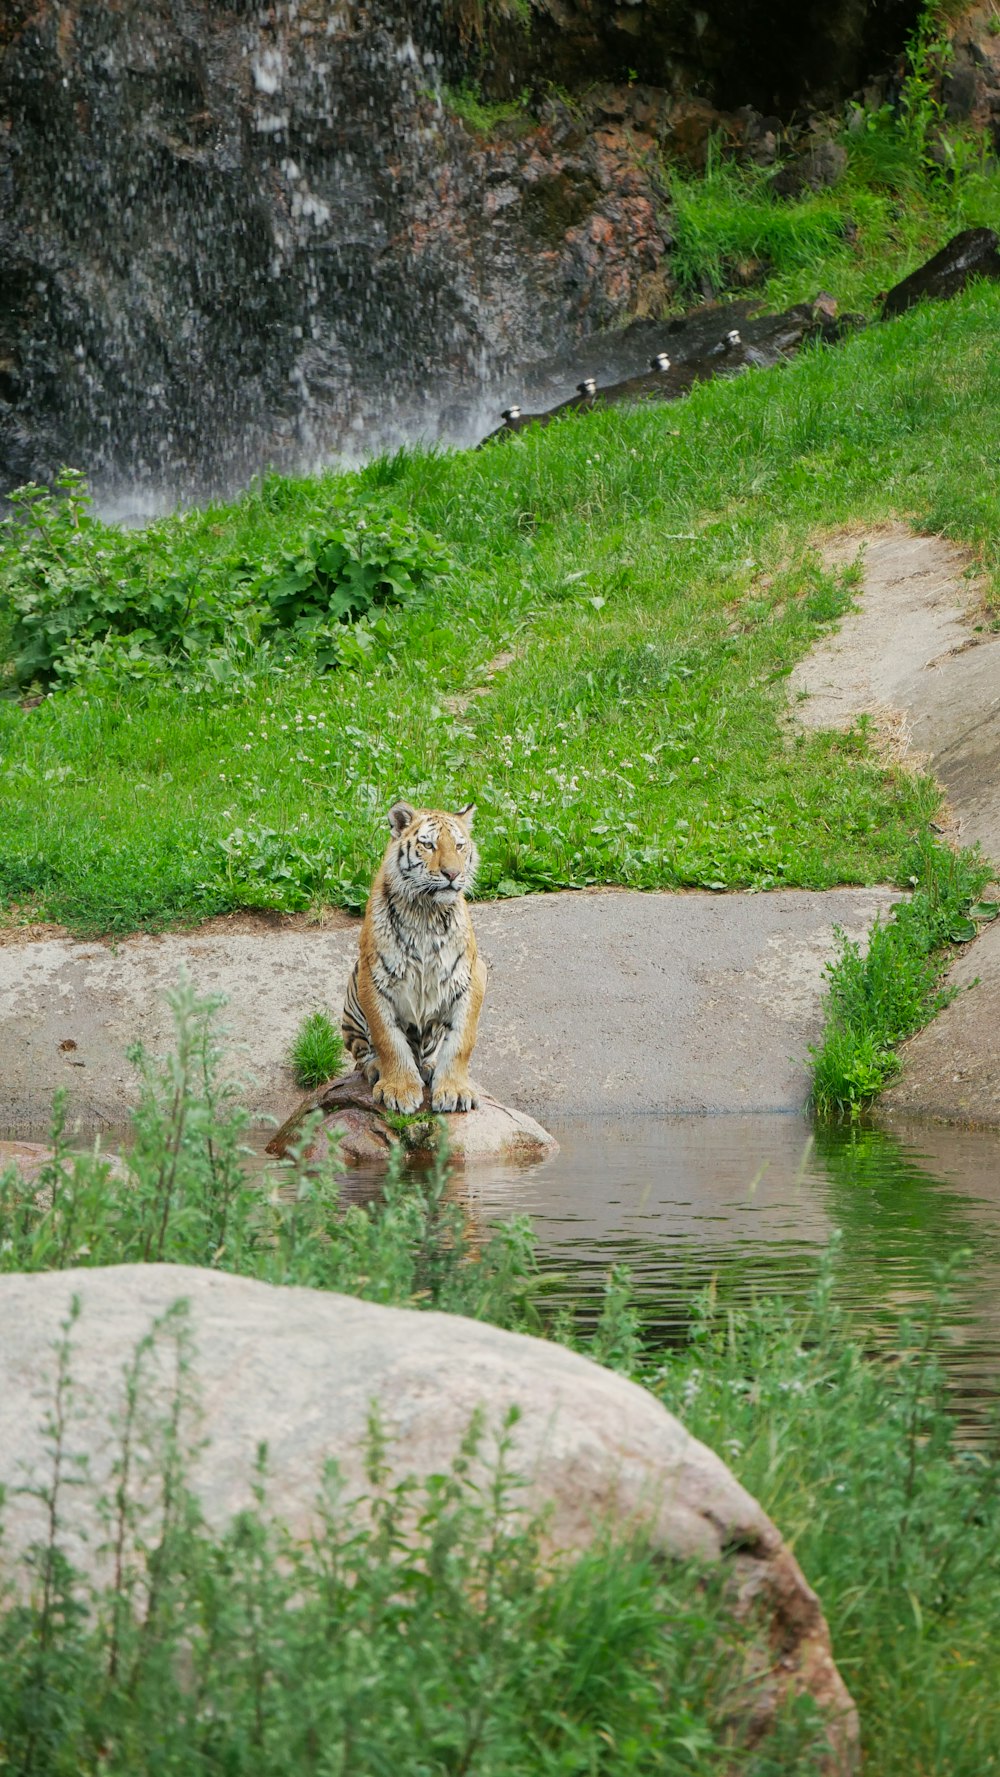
(587, 387)
(659, 362)
(511, 413)
(733, 339)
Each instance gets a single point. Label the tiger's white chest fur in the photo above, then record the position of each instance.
(424, 964)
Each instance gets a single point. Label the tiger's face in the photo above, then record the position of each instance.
(431, 857)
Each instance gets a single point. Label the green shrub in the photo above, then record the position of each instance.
(77, 593)
(338, 576)
(879, 998)
(86, 601)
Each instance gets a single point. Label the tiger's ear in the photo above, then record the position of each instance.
(400, 816)
(466, 814)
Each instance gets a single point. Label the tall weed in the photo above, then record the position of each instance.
(182, 1195)
(416, 1628)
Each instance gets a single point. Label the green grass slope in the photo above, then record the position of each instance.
(651, 568)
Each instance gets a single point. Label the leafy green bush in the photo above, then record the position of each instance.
(71, 587)
(339, 576)
(84, 600)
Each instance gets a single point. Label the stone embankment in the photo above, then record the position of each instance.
(920, 657)
(297, 1370)
(601, 1001)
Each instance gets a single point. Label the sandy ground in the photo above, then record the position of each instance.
(918, 656)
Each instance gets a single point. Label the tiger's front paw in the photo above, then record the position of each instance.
(397, 1092)
(454, 1095)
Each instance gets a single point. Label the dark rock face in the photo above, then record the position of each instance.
(975, 253)
(971, 84)
(230, 234)
(237, 234)
(773, 54)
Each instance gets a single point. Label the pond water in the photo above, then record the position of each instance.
(752, 1202)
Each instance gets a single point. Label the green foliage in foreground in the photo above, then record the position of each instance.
(317, 1051)
(878, 999)
(186, 1198)
(417, 1630)
(651, 569)
(437, 1631)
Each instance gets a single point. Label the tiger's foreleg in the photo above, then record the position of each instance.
(354, 1030)
(451, 1087)
(398, 1084)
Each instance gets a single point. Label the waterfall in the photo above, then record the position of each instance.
(237, 234)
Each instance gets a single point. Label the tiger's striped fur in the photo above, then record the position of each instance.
(415, 993)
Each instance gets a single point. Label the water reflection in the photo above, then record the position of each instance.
(751, 1202)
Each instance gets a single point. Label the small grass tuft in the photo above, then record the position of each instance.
(317, 1051)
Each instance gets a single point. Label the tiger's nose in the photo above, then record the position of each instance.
(452, 875)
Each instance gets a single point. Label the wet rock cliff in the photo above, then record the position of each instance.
(240, 234)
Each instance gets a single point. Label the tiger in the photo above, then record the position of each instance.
(412, 1007)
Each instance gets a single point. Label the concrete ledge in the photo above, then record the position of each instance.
(603, 1001)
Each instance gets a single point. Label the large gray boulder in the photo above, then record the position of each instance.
(299, 1369)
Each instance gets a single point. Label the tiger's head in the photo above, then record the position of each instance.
(431, 857)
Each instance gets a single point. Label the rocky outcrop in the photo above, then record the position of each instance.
(297, 1369)
(354, 1128)
(970, 85)
(975, 253)
(236, 236)
(232, 236)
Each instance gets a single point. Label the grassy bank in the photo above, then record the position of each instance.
(878, 999)
(891, 210)
(652, 572)
(410, 1643)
